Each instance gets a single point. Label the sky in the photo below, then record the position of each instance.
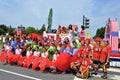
(35, 12)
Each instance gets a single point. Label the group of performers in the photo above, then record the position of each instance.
(77, 56)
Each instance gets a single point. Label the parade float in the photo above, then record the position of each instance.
(112, 35)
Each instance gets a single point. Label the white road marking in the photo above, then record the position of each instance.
(14, 73)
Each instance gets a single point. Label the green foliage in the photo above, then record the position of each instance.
(3, 29)
(50, 19)
(30, 30)
(41, 30)
(100, 32)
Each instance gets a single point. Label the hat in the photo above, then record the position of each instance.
(98, 39)
(87, 40)
(82, 40)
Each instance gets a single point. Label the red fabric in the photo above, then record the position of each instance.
(10, 57)
(2, 56)
(104, 53)
(63, 62)
(82, 48)
(97, 52)
(36, 62)
(84, 66)
(115, 55)
(98, 39)
(74, 58)
(16, 57)
(28, 61)
(43, 64)
(80, 60)
(21, 60)
(87, 40)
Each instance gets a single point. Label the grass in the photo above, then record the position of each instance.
(0, 42)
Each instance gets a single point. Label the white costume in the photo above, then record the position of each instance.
(55, 57)
(18, 51)
(36, 53)
(28, 53)
(44, 54)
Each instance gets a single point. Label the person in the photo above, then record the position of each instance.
(23, 45)
(79, 52)
(97, 49)
(51, 65)
(66, 49)
(104, 58)
(44, 54)
(51, 50)
(8, 49)
(23, 59)
(17, 55)
(30, 59)
(84, 66)
(55, 55)
(88, 47)
(74, 49)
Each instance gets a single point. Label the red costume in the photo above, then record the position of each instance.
(104, 54)
(96, 52)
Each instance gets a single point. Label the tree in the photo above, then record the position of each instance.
(30, 30)
(50, 19)
(3, 29)
(100, 32)
(42, 29)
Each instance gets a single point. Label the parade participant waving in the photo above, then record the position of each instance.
(104, 58)
(97, 49)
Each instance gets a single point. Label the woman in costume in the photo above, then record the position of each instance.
(104, 58)
(84, 66)
(97, 49)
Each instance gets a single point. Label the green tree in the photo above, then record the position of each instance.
(100, 32)
(42, 29)
(3, 29)
(50, 19)
(30, 30)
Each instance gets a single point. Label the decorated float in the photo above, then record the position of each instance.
(112, 34)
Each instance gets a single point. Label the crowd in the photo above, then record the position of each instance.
(76, 56)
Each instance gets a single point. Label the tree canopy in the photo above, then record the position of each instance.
(50, 19)
(30, 30)
(100, 32)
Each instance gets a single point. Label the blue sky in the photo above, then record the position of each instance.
(35, 12)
